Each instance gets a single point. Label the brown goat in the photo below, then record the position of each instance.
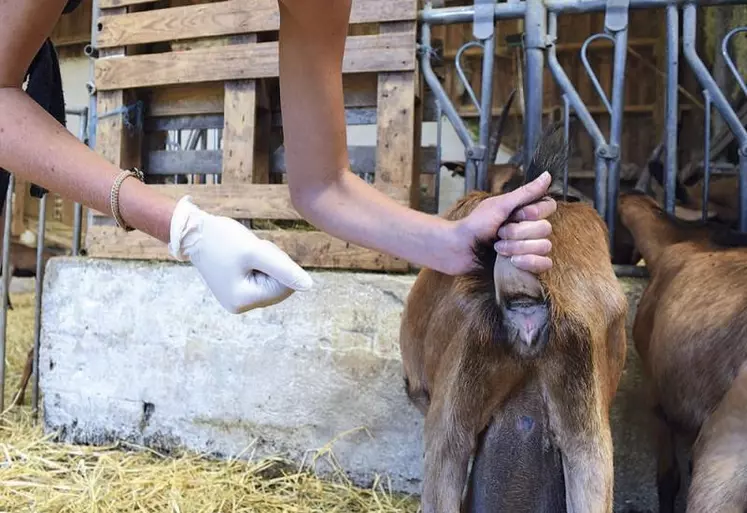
(519, 370)
(690, 331)
(723, 198)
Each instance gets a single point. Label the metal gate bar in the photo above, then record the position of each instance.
(540, 19)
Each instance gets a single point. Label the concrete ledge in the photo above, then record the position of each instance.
(142, 352)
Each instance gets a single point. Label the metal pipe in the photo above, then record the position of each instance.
(583, 114)
(742, 190)
(600, 185)
(40, 243)
(486, 102)
(728, 59)
(706, 156)
(470, 173)
(569, 90)
(616, 125)
(516, 10)
(452, 15)
(5, 285)
(462, 76)
(535, 41)
(432, 80)
(77, 207)
(439, 136)
(566, 137)
(95, 13)
(590, 71)
(718, 99)
(671, 106)
(71, 111)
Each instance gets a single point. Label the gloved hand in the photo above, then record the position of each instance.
(243, 271)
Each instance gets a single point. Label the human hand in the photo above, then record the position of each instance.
(523, 233)
(242, 271)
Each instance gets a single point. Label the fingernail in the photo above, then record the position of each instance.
(545, 176)
(515, 260)
(500, 247)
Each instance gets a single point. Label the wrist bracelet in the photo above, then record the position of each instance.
(114, 195)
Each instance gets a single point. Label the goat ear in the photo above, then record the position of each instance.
(689, 214)
(456, 168)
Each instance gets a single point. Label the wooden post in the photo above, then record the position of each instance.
(114, 141)
(396, 173)
(242, 162)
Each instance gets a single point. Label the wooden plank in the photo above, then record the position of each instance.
(354, 116)
(262, 136)
(384, 52)
(240, 201)
(308, 249)
(208, 98)
(186, 100)
(395, 128)
(198, 122)
(226, 18)
(107, 4)
(359, 90)
(112, 140)
(239, 131)
(75, 27)
(362, 160)
(186, 162)
(417, 151)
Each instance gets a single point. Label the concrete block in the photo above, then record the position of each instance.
(141, 351)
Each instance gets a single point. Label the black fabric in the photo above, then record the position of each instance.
(71, 6)
(45, 88)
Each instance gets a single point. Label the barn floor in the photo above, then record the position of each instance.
(37, 475)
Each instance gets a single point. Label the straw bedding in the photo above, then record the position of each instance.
(38, 475)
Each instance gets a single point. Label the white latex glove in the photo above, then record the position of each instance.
(243, 271)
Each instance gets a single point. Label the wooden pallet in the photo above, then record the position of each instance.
(214, 65)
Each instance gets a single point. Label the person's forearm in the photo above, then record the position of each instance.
(36, 148)
(352, 210)
(312, 40)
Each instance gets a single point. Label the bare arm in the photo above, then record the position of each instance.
(36, 148)
(312, 41)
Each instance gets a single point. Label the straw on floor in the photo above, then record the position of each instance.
(39, 475)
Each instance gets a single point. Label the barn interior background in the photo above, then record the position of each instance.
(643, 122)
(187, 90)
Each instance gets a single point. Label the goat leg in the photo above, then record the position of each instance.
(720, 455)
(448, 448)
(588, 472)
(584, 436)
(668, 477)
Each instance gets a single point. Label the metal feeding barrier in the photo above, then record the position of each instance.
(540, 35)
(82, 114)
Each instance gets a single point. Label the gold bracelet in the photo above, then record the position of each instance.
(114, 195)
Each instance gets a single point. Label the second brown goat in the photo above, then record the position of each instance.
(690, 331)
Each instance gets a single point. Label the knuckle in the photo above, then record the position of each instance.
(509, 231)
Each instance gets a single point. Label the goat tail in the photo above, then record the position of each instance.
(550, 154)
